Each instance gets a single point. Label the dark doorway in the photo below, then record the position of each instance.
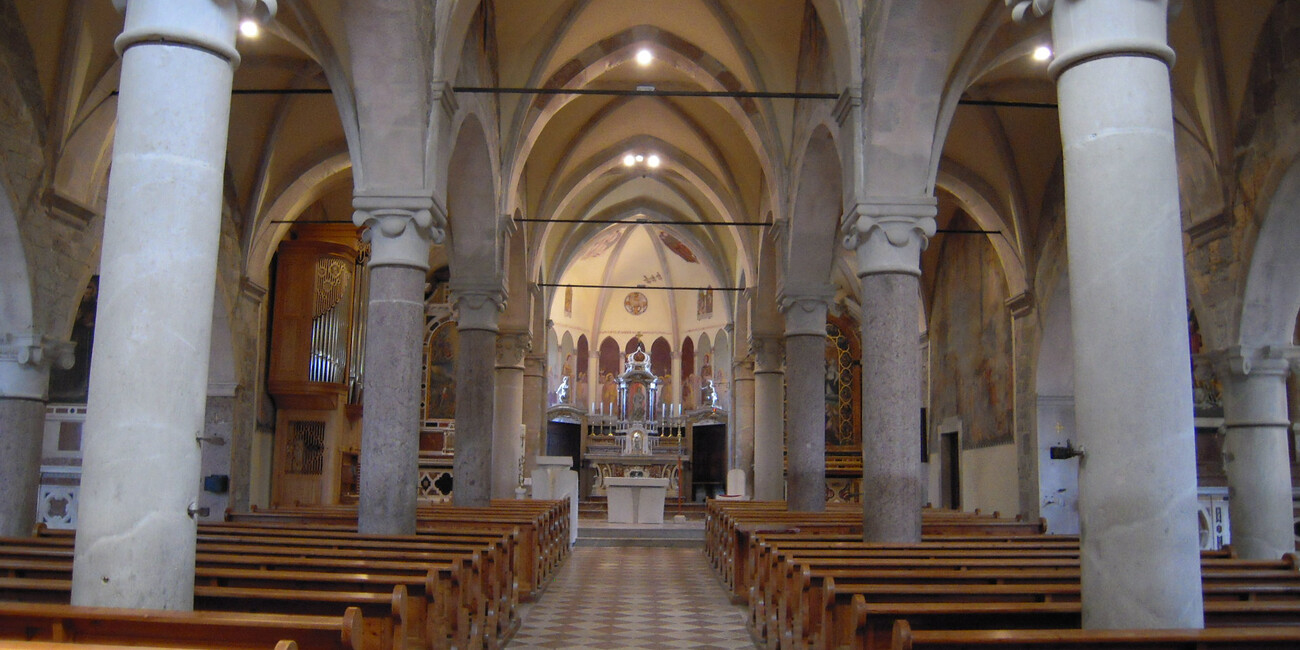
(949, 471)
(564, 439)
(709, 461)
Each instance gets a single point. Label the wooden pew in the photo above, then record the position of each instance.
(1235, 638)
(838, 624)
(285, 644)
(444, 605)
(874, 622)
(58, 623)
(384, 622)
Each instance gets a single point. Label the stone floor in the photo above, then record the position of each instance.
(632, 598)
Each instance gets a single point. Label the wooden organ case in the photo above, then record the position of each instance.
(316, 364)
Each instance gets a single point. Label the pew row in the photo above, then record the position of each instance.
(67, 624)
(1232, 638)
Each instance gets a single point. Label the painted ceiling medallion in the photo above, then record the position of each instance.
(635, 303)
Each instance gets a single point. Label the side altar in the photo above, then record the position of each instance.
(639, 437)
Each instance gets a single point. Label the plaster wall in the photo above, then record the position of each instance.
(970, 343)
(986, 482)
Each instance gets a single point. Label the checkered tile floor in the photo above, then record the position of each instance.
(634, 598)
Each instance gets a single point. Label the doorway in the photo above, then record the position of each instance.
(949, 471)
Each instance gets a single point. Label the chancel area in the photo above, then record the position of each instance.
(923, 323)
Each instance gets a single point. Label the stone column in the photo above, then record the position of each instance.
(593, 379)
(148, 378)
(1133, 393)
(675, 368)
(805, 377)
(888, 235)
(534, 409)
(508, 416)
(401, 229)
(478, 309)
(769, 418)
(1256, 453)
(25, 361)
(742, 422)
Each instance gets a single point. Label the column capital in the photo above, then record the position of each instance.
(768, 352)
(889, 233)
(744, 368)
(1083, 31)
(25, 362)
(400, 227)
(1256, 361)
(1253, 381)
(805, 310)
(534, 364)
(478, 307)
(209, 26)
(512, 346)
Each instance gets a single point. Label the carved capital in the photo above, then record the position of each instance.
(209, 26)
(534, 364)
(444, 96)
(400, 229)
(25, 362)
(890, 233)
(1020, 9)
(768, 352)
(1086, 31)
(1254, 385)
(478, 308)
(1243, 361)
(805, 310)
(511, 348)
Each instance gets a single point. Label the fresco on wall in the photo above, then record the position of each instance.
(1207, 393)
(603, 242)
(970, 341)
(440, 382)
(843, 385)
(675, 245)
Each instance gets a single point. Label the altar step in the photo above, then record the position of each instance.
(670, 533)
(597, 508)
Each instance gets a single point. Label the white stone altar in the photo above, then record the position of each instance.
(636, 500)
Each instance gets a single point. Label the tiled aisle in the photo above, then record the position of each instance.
(634, 597)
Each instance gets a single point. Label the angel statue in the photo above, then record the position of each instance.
(562, 391)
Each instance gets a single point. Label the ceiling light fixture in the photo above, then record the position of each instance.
(249, 28)
(644, 56)
(651, 161)
(1042, 53)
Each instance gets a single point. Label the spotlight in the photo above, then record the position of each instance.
(640, 158)
(629, 160)
(644, 57)
(1042, 53)
(249, 28)
(652, 161)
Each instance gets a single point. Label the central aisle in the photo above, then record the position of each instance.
(634, 597)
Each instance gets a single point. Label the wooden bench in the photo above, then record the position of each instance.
(66, 623)
(285, 644)
(838, 623)
(385, 625)
(1235, 638)
(874, 622)
(445, 603)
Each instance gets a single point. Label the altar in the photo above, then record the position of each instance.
(636, 437)
(636, 500)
